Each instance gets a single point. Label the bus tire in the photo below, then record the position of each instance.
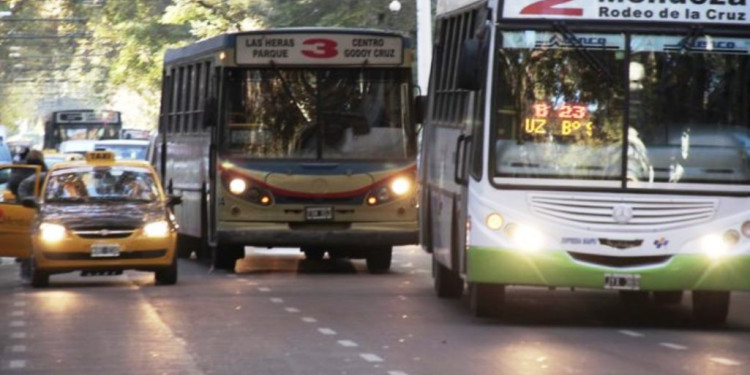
(37, 277)
(313, 253)
(668, 298)
(227, 255)
(710, 307)
(378, 259)
(448, 283)
(184, 246)
(486, 300)
(168, 275)
(634, 298)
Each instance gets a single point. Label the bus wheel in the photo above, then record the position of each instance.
(668, 298)
(486, 300)
(448, 284)
(184, 246)
(710, 307)
(313, 253)
(634, 298)
(379, 259)
(167, 276)
(38, 278)
(227, 255)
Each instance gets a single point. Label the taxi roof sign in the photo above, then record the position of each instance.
(100, 156)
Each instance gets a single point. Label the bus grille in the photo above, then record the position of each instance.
(620, 262)
(605, 213)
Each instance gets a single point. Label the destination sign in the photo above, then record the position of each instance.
(70, 117)
(319, 49)
(694, 11)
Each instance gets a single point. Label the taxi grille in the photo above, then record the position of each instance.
(103, 233)
(147, 254)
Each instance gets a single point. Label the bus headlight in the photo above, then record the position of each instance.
(494, 221)
(401, 186)
(237, 186)
(157, 229)
(526, 237)
(716, 246)
(51, 233)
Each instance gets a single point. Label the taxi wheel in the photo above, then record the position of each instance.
(167, 276)
(38, 278)
(379, 259)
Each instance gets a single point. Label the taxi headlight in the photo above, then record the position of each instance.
(237, 186)
(49, 232)
(401, 186)
(157, 229)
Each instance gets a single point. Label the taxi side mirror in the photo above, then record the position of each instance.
(30, 202)
(174, 200)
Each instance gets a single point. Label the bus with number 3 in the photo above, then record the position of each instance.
(589, 144)
(292, 137)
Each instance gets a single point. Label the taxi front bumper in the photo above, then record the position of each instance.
(559, 268)
(343, 234)
(136, 252)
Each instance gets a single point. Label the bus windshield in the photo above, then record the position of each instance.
(561, 108)
(319, 114)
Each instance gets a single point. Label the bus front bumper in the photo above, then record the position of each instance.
(353, 234)
(559, 269)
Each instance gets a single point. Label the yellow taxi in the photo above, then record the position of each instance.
(98, 216)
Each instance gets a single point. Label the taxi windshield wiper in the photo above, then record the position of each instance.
(593, 61)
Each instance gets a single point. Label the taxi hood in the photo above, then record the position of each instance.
(103, 215)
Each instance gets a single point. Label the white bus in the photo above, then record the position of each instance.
(589, 144)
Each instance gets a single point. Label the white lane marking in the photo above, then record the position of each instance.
(725, 361)
(18, 323)
(397, 373)
(407, 265)
(369, 357)
(292, 310)
(348, 343)
(327, 331)
(19, 303)
(309, 319)
(264, 289)
(18, 348)
(17, 313)
(403, 298)
(17, 363)
(231, 275)
(631, 333)
(276, 251)
(673, 346)
(277, 300)
(19, 295)
(18, 335)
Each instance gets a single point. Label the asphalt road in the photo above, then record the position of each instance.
(283, 315)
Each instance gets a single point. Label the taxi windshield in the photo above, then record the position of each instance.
(101, 183)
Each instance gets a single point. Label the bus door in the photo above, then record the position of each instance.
(15, 219)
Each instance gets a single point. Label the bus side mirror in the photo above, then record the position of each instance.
(209, 113)
(469, 65)
(174, 200)
(421, 109)
(30, 202)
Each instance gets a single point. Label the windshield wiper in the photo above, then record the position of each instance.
(288, 90)
(587, 56)
(686, 43)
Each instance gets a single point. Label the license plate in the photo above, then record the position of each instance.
(319, 213)
(105, 251)
(622, 281)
